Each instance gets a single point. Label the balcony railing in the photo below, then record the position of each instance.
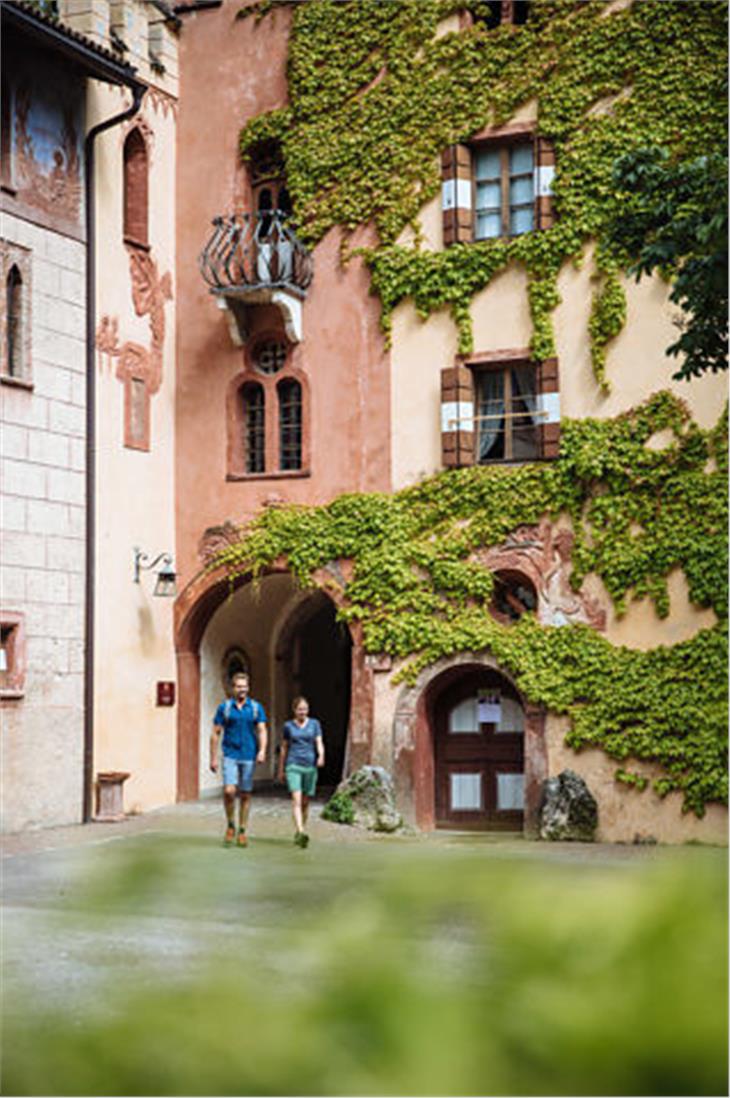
(255, 252)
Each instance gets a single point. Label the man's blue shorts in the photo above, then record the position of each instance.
(238, 772)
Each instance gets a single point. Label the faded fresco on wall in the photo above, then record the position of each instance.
(48, 126)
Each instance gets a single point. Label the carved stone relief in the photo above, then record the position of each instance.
(542, 554)
(216, 538)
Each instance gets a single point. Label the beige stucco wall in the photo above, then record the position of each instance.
(626, 815)
(636, 364)
(641, 627)
(636, 367)
(135, 489)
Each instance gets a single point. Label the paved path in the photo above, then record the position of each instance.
(83, 904)
(150, 895)
(96, 916)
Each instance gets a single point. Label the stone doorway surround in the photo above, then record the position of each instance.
(413, 741)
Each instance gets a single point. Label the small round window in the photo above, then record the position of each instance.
(269, 356)
(514, 595)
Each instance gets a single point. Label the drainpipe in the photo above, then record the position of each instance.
(138, 91)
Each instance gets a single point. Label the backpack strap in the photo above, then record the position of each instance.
(227, 708)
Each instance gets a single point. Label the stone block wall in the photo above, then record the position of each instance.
(42, 514)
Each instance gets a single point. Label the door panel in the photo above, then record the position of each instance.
(479, 762)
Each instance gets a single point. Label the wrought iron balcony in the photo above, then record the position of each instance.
(257, 259)
(252, 252)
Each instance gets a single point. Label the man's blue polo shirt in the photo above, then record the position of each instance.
(239, 728)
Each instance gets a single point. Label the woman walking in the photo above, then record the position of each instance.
(302, 751)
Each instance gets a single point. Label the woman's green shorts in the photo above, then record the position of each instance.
(302, 779)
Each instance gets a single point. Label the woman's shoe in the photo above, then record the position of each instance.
(229, 835)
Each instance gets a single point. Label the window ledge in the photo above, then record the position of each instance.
(7, 188)
(11, 695)
(281, 474)
(16, 382)
(514, 461)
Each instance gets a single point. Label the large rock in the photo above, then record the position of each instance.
(569, 809)
(370, 790)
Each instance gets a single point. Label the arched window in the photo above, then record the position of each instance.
(267, 410)
(289, 392)
(136, 170)
(254, 428)
(14, 323)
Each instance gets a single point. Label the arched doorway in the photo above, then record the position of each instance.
(315, 654)
(290, 643)
(478, 727)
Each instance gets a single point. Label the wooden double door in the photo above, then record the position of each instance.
(479, 755)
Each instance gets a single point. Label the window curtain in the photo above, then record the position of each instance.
(491, 403)
(523, 389)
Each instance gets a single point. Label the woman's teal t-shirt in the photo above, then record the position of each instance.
(302, 748)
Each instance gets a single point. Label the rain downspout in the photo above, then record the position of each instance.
(138, 91)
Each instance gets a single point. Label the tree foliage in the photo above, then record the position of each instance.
(672, 217)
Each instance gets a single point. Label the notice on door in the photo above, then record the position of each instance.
(489, 709)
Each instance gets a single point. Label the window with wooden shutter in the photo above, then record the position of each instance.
(499, 186)
(457, 416)
(457, 194)
(548, 385)
(504, 190)
(510, 404)
(544, 175)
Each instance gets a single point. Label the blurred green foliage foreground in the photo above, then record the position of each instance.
(390, 970)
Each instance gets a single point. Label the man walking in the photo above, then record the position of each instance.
(242, 723)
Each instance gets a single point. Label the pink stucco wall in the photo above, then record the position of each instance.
(232, 70)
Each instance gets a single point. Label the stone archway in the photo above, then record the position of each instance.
(309, 614)
(414, 747)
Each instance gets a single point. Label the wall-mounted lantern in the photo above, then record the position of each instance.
(165, 586)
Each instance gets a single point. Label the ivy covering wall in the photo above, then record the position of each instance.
(638, 513)
(372, 102)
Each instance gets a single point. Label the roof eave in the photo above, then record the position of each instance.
(81, 52)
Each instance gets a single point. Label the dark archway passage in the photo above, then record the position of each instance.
(318, 665)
